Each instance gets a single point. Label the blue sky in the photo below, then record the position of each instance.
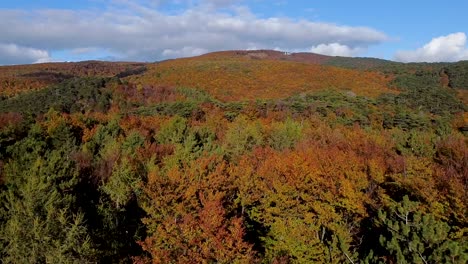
(148, 30)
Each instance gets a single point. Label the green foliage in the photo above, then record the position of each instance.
(406, 120)
(300, 241)
(422, 91)
(409, 236)
(172, 175)
(186, 107)
(359, 63)
(189, 144)
(173, 132)
(347, 107)
(242, 136)
(433, 100)
(40, 220)
(111, 191)
(123, 184)
(232, 110)
(14, 132)
(284, 135)
(132, 142)
(104, 136)
(24, 153)
(414, 142)
(458, 74)
(75, 95)
(417, 81)
(182, 108)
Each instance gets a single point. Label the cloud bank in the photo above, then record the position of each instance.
(132, 30)
(14, 54)
(442, 49)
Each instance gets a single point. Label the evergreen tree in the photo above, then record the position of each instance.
(41, 222)
(409, 236)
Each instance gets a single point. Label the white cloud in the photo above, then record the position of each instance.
(14, 54)
(442, 49)
(135, 31)
(184, 52)
(336, 49)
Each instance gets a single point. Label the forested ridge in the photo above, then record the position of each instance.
(234, 157)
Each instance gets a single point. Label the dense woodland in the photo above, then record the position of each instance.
(228, 158)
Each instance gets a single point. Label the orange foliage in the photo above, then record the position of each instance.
(452, 175)
(188, 221)
(243, 78)
(145, 125)
(463, 95)
(22, 78)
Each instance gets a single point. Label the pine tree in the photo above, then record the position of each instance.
(41, 222)
(410, 236)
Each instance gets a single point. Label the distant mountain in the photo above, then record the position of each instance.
(363, 63)
(306, 57)
(456, 72)
(250, 75)
(246, 74)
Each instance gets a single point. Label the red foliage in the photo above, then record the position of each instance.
(147, 94)
(10, 119)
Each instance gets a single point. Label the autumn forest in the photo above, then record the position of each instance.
(234, 157)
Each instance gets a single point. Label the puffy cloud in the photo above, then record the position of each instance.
(14, 54)
(442, 49)
(135, 31)
(336, 49)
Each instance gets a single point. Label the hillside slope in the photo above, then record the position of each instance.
(22, 78)
(232, 76)
(234, 157)
(235, 75)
